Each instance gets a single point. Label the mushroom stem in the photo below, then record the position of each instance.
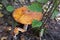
(25, 27)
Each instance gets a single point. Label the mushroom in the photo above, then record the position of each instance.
(25, 16)
(16, 31)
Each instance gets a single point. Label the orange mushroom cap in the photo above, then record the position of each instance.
(22, 15)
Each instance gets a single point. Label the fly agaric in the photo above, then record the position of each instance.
(25, 16)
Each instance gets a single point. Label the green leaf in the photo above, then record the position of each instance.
(54, 14)
(42, 1)
(36, 24)
(10, 8)
(35, 7)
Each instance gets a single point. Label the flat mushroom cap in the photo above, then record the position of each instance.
(22, 15)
